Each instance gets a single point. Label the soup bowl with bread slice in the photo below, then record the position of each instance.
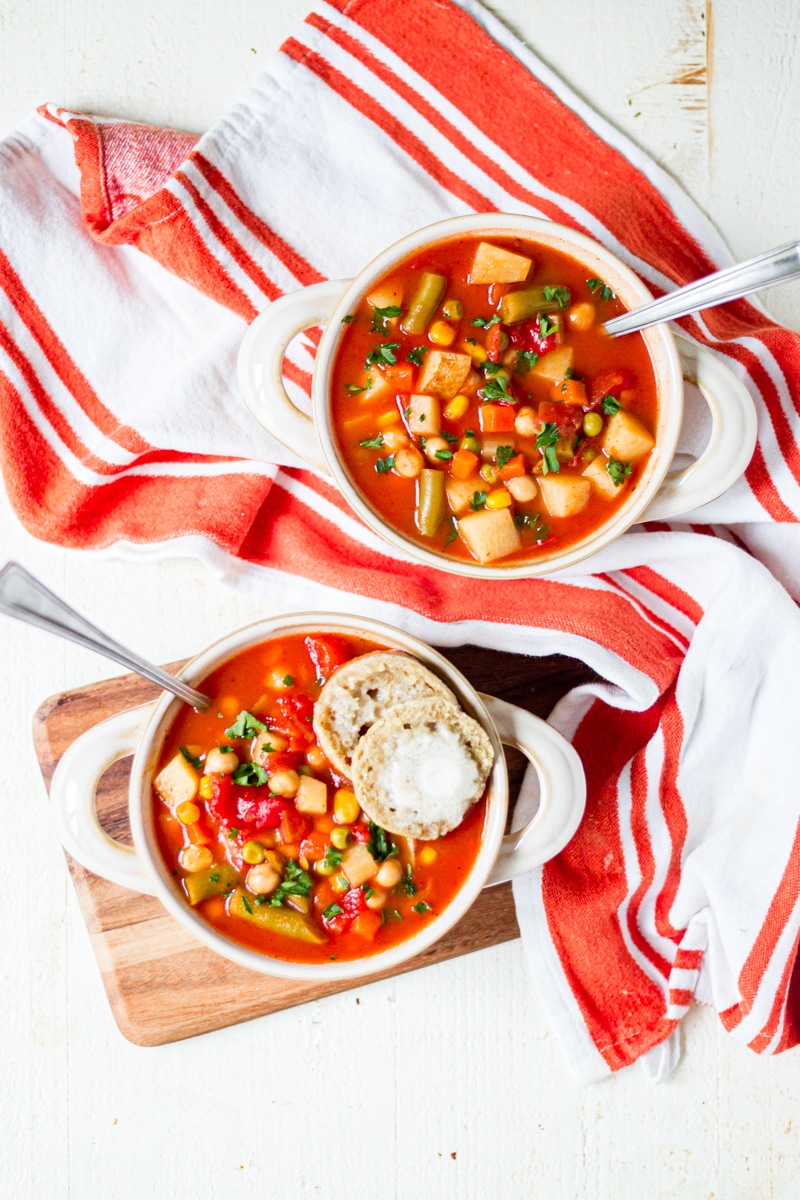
(473, 411)
(336, 809)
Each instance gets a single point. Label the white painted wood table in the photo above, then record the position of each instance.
(447, 1082)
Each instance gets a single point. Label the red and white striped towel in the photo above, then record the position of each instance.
(130, 261)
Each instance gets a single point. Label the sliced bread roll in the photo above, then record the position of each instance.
(419, 770)
(361, 692)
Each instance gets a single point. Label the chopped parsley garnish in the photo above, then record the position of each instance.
(546, 326)
(214, 878)
(610, 405)
(448, 437)
(452, 533)
(490, 368)
(618, 470)
(393, 912)
(597, 285)
(296, 882)
(233, 833)
(367, 890)
(496, 389)
(415, 356)
(191, 758)
(504, 455)
(561, 295)
(346, 320)
(534, 522)
(470, 341)
(288, 681)
(372, 443)
(352, 388)
(249, 774)
(483, 323)
(246, 903)
(333, 857)
(381, 315)
(421, 907)
(333, 910)
(226, 749)
(443, 455)
(383, 355)
(407, 882)
(245, 725)
(384, 465)
(380, 845)
(478, 501)
(546, 442)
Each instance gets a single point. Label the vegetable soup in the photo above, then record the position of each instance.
(268, 842)
(479, 407)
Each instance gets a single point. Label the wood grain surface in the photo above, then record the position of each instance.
(161, 983)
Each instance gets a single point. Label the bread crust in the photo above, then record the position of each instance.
(398, 738)
(361, 692)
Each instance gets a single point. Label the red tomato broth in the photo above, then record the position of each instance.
(356, 416)
(240, 685)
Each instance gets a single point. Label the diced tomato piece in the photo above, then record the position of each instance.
(294, 826)
(314, 846)
(222, 803)
(527, 335)
(401, 376)
(327, 654)
(566, 417)
(281, 760)
(291, 716)
(360, 832)
(463, 464)
(493, 343)
(513, 468)
(610, 383)
(257, 809)
(354, 902)
(497, 418)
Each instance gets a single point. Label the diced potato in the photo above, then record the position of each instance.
(312, 795)
(490, 442)
(382, 385)
(461, 491)
(565, 495)
(443, 373)
(490, 534)
(600, 478)
(177, 782)
(358, 864)
(523, 488)
(554, 366)
(626, 438)
(386, 296)
(423, 415)
(493, 264)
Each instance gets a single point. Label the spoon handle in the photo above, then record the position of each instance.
(22, 596)
(775, 266)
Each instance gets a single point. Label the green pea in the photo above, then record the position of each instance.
(323, 868)
(490, 473)
(592, 424)
(453, 310)
(340, 837)
(253, 852)
(304, 770)
(589, 454)
(470, 443)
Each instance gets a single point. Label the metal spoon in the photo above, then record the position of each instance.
(757, 274)
(24, 597)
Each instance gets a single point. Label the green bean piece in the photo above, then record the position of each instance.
(275, 918)
(424, 303)
(524, 304)
(430, 501)
(215, 880)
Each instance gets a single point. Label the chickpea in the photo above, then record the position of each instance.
(316, 759)
(196, 858)
(280, 679)
(377, 899)
(265, 743)
(432, 446)
(526, 421)
(284, 782)
(389, 873)
(523, 488)
(262, 879)
(220, 762)
(408, 462)
(395, 439)
(581, 316)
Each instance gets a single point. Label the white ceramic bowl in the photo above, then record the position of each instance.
(658, 495)
(142, 731)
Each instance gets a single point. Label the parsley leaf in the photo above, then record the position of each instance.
(618, 470)
(483, 323)
(490, 368)
(333, 910)
(250, 775)
(372, 443)
(380, 845)
(546, 326)
(597, 285)
(353, 388)
(383, 355)
(443, 455)
(561, 295)
(448, 437)
(504, 454)
(478, 501)
(191, 758)
(245, 725)
(384, 465)
(288, 681)
(546, 442)
(421, 907)
(381, 315)
(246, 904)
(452, 533)
(333, 857)
(415, 356)
(295, 882)
(610, 405)
(407, 882)
(496, 389)
(346, 320)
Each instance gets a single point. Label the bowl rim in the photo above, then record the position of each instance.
(658, 338)
(148, 752)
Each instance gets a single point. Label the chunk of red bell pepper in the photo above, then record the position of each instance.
(327, 653)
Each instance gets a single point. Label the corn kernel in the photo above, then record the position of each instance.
(456, 408)
(441, 334)
(187, 813)
(499, 499)
(427, 855)
(477, 353)
(346, 808)
(206, 787)
(391, 417)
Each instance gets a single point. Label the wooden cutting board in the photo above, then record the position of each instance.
(162, 984)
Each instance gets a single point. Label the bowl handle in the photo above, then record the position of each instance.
(73, 792)
(730, 447)
(260, 366)
(562, 791)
